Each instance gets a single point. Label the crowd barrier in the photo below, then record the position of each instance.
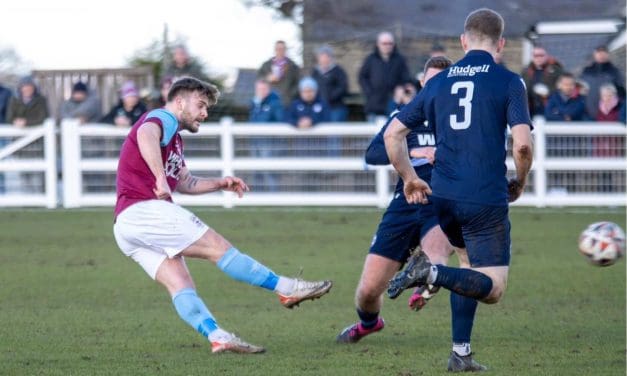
(575, 164)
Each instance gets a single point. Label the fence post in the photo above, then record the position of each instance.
(227, 153)
(383, 186)
(50, 156)
(539, 181)
(72, 176)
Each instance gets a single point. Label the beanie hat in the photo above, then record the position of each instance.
(308, 83)
(129, 90)
(79, 86)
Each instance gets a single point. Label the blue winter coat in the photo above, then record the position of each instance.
(269, 110)
(572, 109)
(318, 111)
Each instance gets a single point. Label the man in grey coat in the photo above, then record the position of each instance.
(82, 105)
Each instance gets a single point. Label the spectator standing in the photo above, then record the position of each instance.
(306, 111)
(600, 72)
(128, 110)
(540, 77)
(5, 98)
(565, 104)
(82, 105)
(282, 73)
(382, 70)
(183, 64)
(266, 107)
(332, 83)
(28, 107)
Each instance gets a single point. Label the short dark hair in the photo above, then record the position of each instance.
(438, 62)
(190, 85)
(484, 23)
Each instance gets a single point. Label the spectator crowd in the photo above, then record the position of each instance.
(304, 100)
(284, 93)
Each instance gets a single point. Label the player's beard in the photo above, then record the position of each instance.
(189, 123)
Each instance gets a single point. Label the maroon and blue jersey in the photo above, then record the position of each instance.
(469, 107)
(135, 182)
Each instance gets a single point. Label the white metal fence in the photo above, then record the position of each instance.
(575, 164)
(28, 169)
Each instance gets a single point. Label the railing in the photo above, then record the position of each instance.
(28, 168)
(324, 166)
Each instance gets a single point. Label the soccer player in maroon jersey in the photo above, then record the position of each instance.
(158, 234)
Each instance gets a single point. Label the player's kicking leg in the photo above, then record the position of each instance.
(173, 274)
(368, 298)
(156, 234)
(291, 291)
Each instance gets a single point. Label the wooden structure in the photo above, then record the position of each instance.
(57, 84)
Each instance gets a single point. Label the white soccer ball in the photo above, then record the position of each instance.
(602, 243)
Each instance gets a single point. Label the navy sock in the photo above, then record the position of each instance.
(368, 319)
(465, 282)
(462, 317)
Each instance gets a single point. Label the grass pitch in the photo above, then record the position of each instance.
(72, 304)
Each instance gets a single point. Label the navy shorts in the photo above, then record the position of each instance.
(403, 224)
(483, 230)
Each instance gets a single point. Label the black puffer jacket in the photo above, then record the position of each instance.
(378, 78)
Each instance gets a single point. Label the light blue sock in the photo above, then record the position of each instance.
(193, 311)
(244, 268)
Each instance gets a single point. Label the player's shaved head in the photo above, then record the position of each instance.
(188, 85)
(483, 24)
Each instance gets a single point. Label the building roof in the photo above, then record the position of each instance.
(331, 20)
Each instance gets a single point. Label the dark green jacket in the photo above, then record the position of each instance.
(35, 111)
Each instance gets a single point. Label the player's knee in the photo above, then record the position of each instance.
(437, 247)
(214, 246)
(366, 295)
(495, 294)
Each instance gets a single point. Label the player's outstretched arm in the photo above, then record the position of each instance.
(522, 150)
(416, 190)
(194, 185)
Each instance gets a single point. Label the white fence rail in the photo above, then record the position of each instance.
(580, 164)
(557, 178)
(27, 160)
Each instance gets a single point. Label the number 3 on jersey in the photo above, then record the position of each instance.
(465, 102)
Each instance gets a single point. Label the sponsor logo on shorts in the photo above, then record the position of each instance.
(196, 221)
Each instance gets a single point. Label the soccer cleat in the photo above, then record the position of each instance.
(458, 363)
(229, 342)
(421, 296)
(415, 274)
(305, 290)
(355, 332)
